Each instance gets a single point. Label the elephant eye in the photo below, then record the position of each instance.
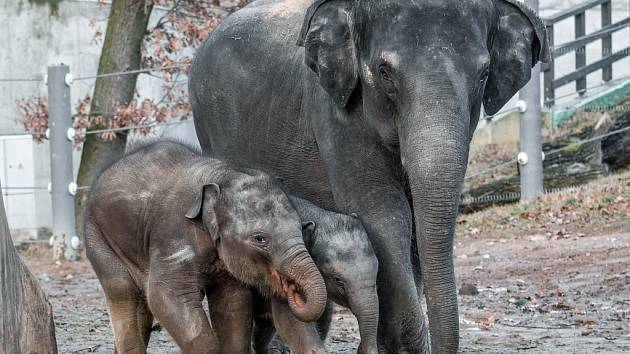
(339, 282)
(384, 74)
(260, 239)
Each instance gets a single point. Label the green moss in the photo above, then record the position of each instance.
(605, 201)
(574, 148)
(570, 201)
(520, 302)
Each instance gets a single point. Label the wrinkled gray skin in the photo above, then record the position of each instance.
(340, 247)
(165, 226)
(377, 105)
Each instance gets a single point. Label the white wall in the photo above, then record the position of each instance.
(33, 35)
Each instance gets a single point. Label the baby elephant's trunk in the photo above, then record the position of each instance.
(364, 306)
(305, 287)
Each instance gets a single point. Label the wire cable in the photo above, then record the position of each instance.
(132, 72)
(132, 127)
(550, 152)
(36, 79)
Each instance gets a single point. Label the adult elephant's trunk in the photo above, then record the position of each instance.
(434, 153)
(303, 284)
(364, 306)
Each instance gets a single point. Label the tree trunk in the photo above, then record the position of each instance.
(26, 321)
(126, 28)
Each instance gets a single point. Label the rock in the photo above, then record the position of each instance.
(537, 238)
(468, 289)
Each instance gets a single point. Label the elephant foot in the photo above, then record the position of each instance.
(278, 348)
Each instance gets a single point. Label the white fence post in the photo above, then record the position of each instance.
(62, 179)
(530, 155)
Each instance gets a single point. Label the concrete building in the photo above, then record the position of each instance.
(33, 35)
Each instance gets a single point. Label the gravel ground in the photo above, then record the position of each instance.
(535, 295)
(548, 276)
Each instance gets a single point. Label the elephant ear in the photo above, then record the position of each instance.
(308, 233)
(206, 199)
(519, 42)
(329, 49)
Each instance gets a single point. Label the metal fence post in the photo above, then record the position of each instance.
(62, 180)
(530, 155)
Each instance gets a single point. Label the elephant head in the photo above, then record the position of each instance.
(258, 235)
(416, 73)
(343, 253)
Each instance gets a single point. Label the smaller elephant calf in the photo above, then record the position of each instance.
(165, 226)
(342, 251)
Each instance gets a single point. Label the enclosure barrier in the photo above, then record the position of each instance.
(59, 122)
(578, 45)
(530, 140)
(61, 135)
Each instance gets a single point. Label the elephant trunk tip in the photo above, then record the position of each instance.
(299, 281)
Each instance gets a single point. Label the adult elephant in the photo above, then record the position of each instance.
(374, 115)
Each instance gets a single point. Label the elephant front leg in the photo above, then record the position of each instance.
(301, 337)
(386, 215)
(176, 302)
(231, 313)
(263, 332)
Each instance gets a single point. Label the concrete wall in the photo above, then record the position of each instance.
(33, 35)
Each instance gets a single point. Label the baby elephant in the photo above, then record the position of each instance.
(343, 253)
(165, 226)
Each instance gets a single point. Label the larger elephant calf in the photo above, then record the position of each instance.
(165, 225)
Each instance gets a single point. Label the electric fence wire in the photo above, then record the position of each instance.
(117, 73)
(132, 72)
(501, 113)
(17, 80)
(512, 196)
(133, 127)
(550, 152)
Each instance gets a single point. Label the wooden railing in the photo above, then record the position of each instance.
(578, 45)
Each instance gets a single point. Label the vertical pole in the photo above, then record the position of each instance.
(530, 155)
(59, 121)
(606, 41)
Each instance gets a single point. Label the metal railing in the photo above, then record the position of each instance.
(578, 45)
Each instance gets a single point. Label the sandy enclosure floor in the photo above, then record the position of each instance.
(535, 295)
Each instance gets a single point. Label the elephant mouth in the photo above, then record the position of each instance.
(288, 287)
(293, 292)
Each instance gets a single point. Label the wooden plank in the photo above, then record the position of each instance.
(607, 40)
(580, 53)
(568, 47)
(572, 11)
(549, 73)
(582, 72)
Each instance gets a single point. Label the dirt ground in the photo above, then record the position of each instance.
(544, 279)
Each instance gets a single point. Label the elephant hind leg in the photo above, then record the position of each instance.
(132, 322)
(130, 316)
